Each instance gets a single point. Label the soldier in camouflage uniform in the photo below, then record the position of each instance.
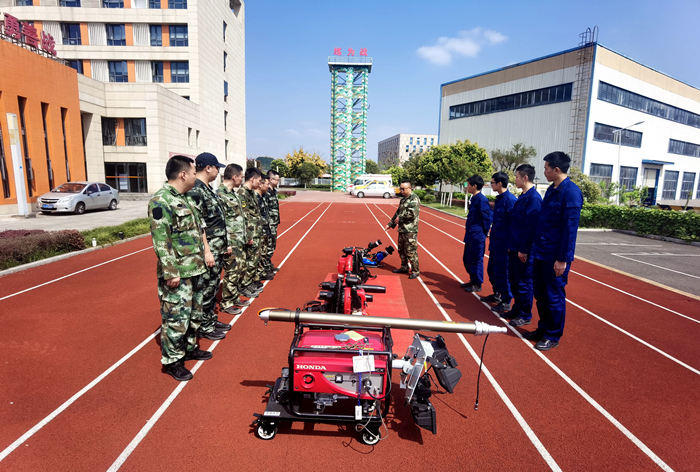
(178, 242)
(216, 243)
(264, 267)
(234, 263)
(250, 283)
(274, 209)
(407, 214)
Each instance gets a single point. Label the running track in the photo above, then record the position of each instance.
(82, 387)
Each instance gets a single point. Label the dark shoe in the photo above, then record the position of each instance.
(517, 322)
(232, 310)
(414, 275)
(533, 335)
(472, 288)
(178, 371)
(197, 355)
(501, 307)
(400, 270)
(268, 276)
(215, 335)
(222, 326)
(249, 293)
(240, 303)
(275, 269)
(546, 345)
(508, 315)
(464, 285)
(494, 298)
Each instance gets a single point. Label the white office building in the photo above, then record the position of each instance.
(580, 101)
(157, 78)
(397, 149)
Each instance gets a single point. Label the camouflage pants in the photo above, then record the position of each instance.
(271, 245)
(234, 267)
(210, 284)
(252, 261)
(265, 265)
(181, 311)
(408, 251)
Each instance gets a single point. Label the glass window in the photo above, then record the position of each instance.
(670, 185)
(76, 64)
(628, 178)
(180, 72)
(178, 35)
(225, 60)
(109, 131)
(157, 71)
(601, 173)
(104, 188)
(687, 185)
(69, 3)
(224, 31)
(112, 3)
(118, 71)
(116, 35)
(3, 169)
(683, 148)
(156, 35)
(225, 89)
(126, 176)
(71, 33)
(177, 4)
(154, 4)
(92, 189)
(24, 3)
(135, 131)
(609, 134)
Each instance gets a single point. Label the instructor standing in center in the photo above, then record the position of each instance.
(407, 214)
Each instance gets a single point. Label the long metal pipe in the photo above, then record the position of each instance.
(477, 328)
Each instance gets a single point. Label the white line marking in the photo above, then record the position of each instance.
(618, 244)
(653, 254)
(156, 416)
(514, 411)
(300, 220)
(657, 266)
(440, 217)
(657, 460)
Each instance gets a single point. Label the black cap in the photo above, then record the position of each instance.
(208, 159)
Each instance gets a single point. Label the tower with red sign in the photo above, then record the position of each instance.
(349, 76)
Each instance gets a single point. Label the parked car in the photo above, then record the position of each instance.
(374, 189)
(76, 197)
(365, 179)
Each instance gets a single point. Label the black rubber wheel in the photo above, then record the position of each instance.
(46, 212)
(387, 195)
(360, 194)
(112, 205)
(370, 436)
(266, 432)
(79, 208)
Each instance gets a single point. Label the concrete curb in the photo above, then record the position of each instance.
(49, 260)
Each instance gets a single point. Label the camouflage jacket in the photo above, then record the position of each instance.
(249, 202)
(233, 213)
(264, 214)
(273, 206)
(211, 212)
(407, 214)
(176, 231)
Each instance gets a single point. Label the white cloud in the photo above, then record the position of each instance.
(466, 44)
(292, 132)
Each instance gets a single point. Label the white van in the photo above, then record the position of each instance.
(366, 179)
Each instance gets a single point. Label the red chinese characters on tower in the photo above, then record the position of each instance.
(363, 52)
(48, 44)
(337, 52)
(351, 52)
(30, 35)
(12, 27)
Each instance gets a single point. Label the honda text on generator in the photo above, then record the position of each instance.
(346, 295)
(339, 371)
(355, 260)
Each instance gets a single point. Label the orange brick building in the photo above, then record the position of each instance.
(40, 127)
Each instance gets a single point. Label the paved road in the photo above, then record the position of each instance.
(127, 211)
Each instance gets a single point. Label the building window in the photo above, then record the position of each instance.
(154, 4)
(156, 35)
(189, 136)
(432, 140)
(225, 119)
(225, 60)
(76, 64)
(687, 185)
(197, 138)
(109, 131)
(126, 176)
(177, 4)
(69, 3)
(226, 149)
(407, 148)
(71, 33)
(225, 91)
(617, 96)
(425, 141)
(186, 97)
(157, 71)
(683, 148)
(3, 169)
(628, 178)
(24, 3)
(116, 35)
(135, 131)
(118, 71)
(224, 31)
(49, 167)
(178, 35)
(608, 134)
(112, 3)
(670, 185)
(180, 72)
(545, 96)
(411, 140)
(601, 173)
(22, 102)
(64, 112)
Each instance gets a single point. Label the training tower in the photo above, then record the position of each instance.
(348, 118)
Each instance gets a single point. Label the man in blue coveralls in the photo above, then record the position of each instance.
(498, 244)
(477, 227)
(553, 250)
(523, 223)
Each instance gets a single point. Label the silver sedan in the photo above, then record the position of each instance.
(76, 197)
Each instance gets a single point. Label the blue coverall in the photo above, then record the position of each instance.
(498, 245)
(476, 229)
(523, 223)
(555, 240)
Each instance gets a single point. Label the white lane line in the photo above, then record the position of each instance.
(300, 220)
(74, 273)
(156, 416)
(657, 266)
(653, 254)
(509, 404)
(440, 217)
(636, 441)
(97, 380)
(618, 244)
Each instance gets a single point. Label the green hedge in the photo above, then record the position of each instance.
(428, 199)
(21, 247)
(421, 193)
(673, 224)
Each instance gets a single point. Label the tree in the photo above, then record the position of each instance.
(280, 166)
(397, 174)
(298, 157)
(371, 167)
(252, 163)
(589, 189)
(307, 172)
(412, 168)
(508, 161)
(455, 163)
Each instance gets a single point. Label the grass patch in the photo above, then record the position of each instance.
(110, 234)
(455, 210)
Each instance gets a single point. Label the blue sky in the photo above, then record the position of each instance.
(416, 46)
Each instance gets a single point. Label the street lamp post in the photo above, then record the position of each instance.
(619, 146)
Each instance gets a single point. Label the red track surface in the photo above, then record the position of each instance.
(60, 337)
